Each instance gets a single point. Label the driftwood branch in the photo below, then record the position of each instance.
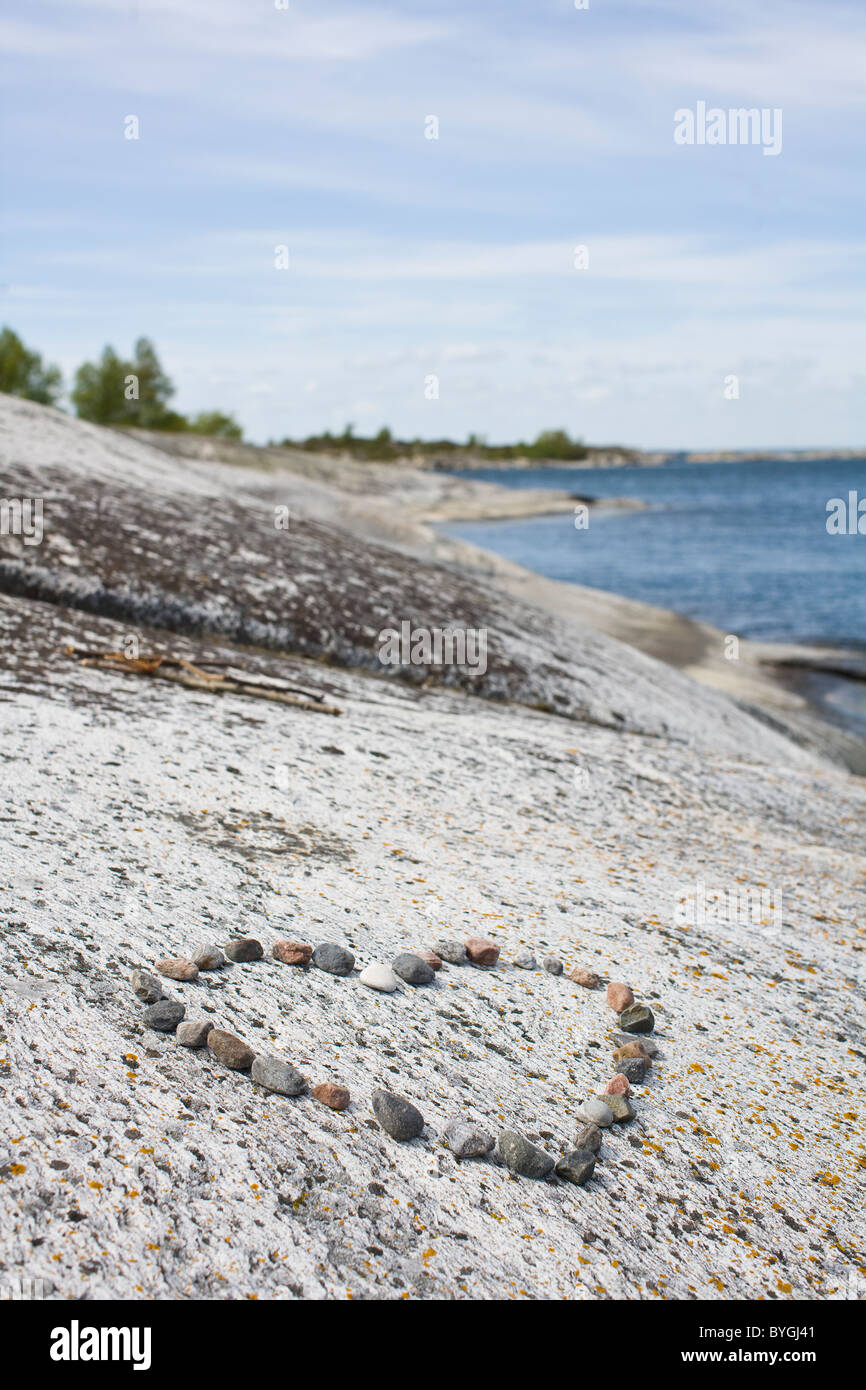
(194, 677)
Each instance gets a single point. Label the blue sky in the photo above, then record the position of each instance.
(409, 257)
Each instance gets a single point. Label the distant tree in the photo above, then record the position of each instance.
(117, 391)
(214, 423)
(556, 444)
(22, 372)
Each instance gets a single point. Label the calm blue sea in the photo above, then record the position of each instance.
(741, 545)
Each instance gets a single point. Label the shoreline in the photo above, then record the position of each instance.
(407, 510)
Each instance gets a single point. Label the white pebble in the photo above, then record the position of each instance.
(596, 1112)
(377, 976)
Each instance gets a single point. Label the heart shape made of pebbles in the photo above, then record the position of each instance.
(397, 1116)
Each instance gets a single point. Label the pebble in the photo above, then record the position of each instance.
(552, 964)
(466, 1140)
(397, 1116)
(412, 969)
(193, 1032)
(292, 953)
(209, 958)
(618, 1086)
(431, 959)
(637, 1019)
(244, 949)
(619, 997)
(649, 1047)
(633, 1069)
(519, 1156)
(480, 951)
(588, 1137)
(278, 1076)
(333, 958)
(330, 1094)
(176, 968)
(597, 1112)
(577, 1166)
(164, 1016)
(231, 1051)
(380, 977)
(452, 951)
(526, 960)
(636, 1048)
(146, 987)
(620, 1108)
(584, 977)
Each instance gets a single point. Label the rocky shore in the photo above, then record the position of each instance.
(579, 802)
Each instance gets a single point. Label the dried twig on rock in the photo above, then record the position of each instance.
(195, 677)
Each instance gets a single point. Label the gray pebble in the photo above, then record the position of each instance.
(577, 1166)
(526, 960)
(588, 1137)
(519, 1156)
(637, 1019)
(466, 1140)
(333, 958)
(552, 964)
(596, 1112)
(164, 1016)
(244, 949)
(413, 969)
(277, 1076)
(633, 1069)
(146, 987)
(193, 1032)
(452, 951)
(397, 1116)
(621, 1108)
(208, 958)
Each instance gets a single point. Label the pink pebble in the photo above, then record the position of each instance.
(617, 1086)
(619, 997)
